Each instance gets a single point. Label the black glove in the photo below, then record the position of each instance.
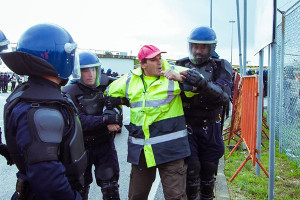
(4, 152)
(112, 119)
(195, 78)
(112, 102)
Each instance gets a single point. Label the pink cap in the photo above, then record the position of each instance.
(149, 51)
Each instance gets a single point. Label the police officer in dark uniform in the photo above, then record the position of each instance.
(99, 125)
(5, 82)
(4, 42)
(2, 82)
(42, 130)
(211, 78)
(3, 148)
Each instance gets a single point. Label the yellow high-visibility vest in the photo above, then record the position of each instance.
(157, 123)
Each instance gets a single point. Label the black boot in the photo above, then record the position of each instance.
(207, 189)
(84, 192)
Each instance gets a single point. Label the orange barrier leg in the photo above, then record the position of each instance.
(265, 171)
(265, 134)
(235, 147)
(225, 133)
(265, 123)
(240, 168)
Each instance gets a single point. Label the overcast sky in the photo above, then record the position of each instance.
(126, 25)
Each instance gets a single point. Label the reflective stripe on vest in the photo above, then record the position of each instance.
(152, 103)
(127, 84)
(158, 139)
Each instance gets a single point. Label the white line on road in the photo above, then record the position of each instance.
(154, 186)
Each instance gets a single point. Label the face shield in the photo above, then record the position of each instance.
(200, 51)
(76, 71)
(90, 75)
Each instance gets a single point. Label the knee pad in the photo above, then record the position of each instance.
(193, 181)
(208, 170)
(104, 172)
(193, 170)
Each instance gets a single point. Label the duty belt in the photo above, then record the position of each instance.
(94, 140)
(202, 121)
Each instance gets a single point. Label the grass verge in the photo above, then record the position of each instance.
(247, 185)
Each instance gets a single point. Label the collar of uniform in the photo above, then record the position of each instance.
(40, 80)
(87, 87)
(138, 71)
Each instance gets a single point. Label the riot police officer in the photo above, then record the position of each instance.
(3, 148)
(42, 130)
(4, 42)
(98, 127)
(211, 79)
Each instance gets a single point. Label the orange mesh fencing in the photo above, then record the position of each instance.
(249, 101)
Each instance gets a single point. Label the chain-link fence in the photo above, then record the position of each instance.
(287, 119)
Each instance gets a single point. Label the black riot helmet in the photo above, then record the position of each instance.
(201, 37)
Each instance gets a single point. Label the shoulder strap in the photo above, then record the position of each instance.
(182, 62)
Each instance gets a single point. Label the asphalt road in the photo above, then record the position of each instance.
(8, 173)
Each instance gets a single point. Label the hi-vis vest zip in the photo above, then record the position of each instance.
(157, 123)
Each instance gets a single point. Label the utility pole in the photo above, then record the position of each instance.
(210, 13)
(232, 22)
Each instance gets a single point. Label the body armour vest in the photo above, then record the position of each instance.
(66, 147)
(201, 105)
(89, 101)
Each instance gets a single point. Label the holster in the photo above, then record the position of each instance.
(22, 190)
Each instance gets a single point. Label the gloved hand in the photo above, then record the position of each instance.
(195, 78)
(112, 102)
(112, 119)
(4, 152)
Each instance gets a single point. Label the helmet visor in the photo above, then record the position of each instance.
(76, 70)
(199, 53)
(90, 76)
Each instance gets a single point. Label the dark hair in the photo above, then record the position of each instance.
(144, 61)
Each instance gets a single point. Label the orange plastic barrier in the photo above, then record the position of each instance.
(249, 102)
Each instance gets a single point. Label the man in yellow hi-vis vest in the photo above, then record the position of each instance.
(157, 129)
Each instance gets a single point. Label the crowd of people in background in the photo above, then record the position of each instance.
(9, 81)
(12, 78)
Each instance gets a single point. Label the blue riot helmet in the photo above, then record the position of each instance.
(3, 41)
(108, 72)
(201, 35)
(249, 72)
(52, 44)
(90, 68)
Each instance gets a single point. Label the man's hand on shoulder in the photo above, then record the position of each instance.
(172, 75)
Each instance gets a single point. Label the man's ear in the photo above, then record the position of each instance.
(143, 65)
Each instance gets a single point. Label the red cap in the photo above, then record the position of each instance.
(149, 51)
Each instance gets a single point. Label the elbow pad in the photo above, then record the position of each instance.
(214, 92)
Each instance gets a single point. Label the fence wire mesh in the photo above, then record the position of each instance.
(287, 119)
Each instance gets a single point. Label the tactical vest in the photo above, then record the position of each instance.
(70, 151)
(89, 101)
(201, 106)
